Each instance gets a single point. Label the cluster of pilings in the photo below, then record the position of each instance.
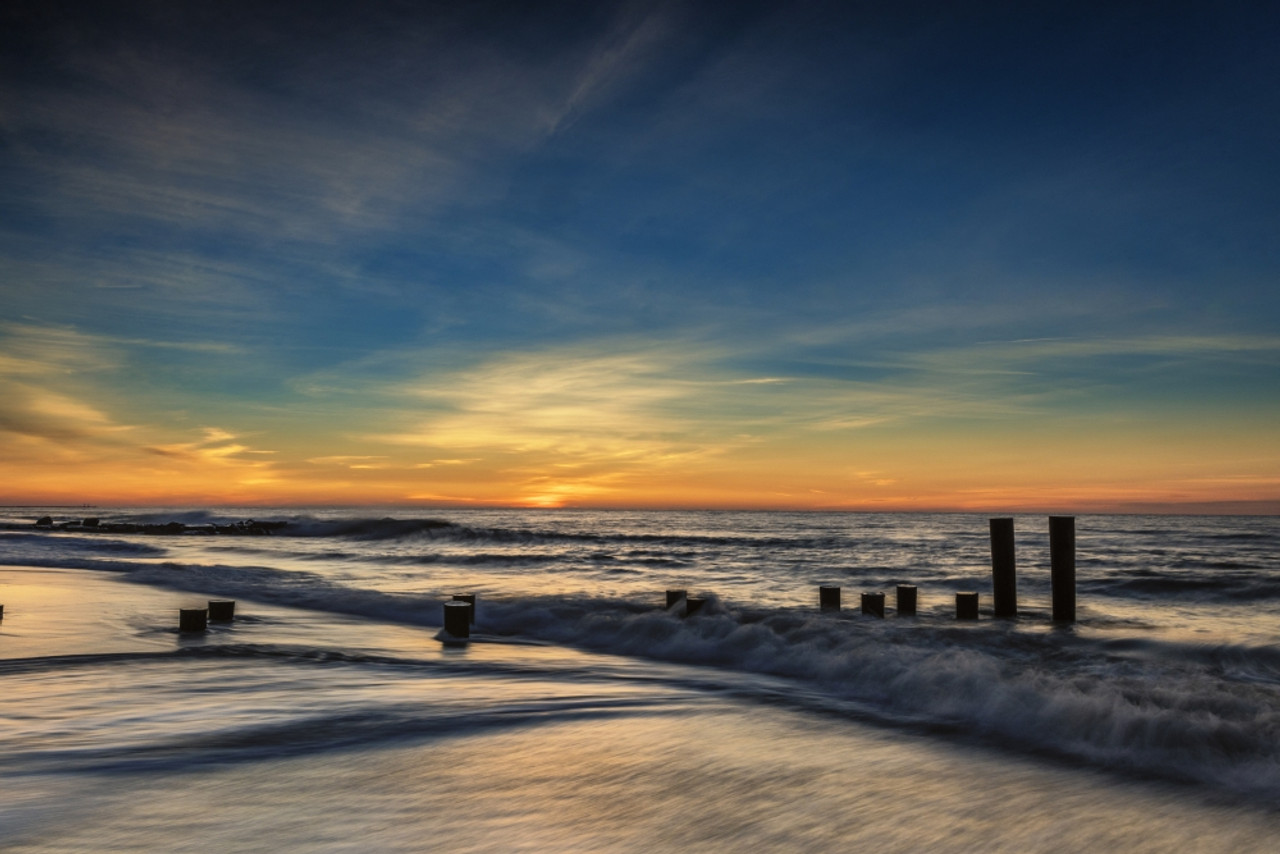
(1062, 568)
(460, 612)
(1004, 580)
(872, 603)
(198, 619)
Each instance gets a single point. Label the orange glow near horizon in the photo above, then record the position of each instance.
(889, 472)
(642, 426)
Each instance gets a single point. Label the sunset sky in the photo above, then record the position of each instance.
(861, 255)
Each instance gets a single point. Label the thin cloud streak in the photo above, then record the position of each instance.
(674, 405)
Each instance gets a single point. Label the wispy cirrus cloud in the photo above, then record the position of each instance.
(406, 115)
(60, 400)
(575, 401)
(605, 404)
(221, 449)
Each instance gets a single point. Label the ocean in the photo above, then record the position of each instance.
(584, 715)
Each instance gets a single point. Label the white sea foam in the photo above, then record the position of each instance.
(1113, 693)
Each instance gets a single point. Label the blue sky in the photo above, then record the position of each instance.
(801, 254)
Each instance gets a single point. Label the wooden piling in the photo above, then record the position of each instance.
(693, 606)
(674, 597)
(1062, 567)
(457, 619)
(222, 610)
(193, 619)
(1004, 577)
(907, 600)
(1, 612)
(967, 606)
(829, 598)
(873, 604)
(470, 599)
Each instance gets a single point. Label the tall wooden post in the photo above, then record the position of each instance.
(1004, 574)
(1062, 567)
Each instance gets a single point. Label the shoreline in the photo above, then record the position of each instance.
(484, 747)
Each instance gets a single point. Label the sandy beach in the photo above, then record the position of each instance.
(297, 730)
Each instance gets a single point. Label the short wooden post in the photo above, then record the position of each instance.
(674, 597)
(457, 619)
(966, 606)
(1004, 574)
(193, 619)
(873, 604)
(829, 598)
(693, 606)
(906, 600)
(222, 610)
(470, 599)
(1062, 567)
(1, 612)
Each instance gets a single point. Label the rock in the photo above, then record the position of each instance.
(244, 528)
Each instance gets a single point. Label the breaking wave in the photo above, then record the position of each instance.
(1200, 714)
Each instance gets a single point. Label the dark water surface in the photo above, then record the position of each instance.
(584, 716)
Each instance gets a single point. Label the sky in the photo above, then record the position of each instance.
(995, 257)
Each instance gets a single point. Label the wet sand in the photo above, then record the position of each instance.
(146, 743)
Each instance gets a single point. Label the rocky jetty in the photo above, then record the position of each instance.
(244, 528)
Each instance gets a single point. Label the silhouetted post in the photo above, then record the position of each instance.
(222, 610)
(693, 606)
(1, 612)
(674, 597)
(873, 604)
(470, 599)
(829, 598)
(193, 619)
(1004, 575)
(1062, 566)
(966, 606)
(457, 619)
(906, 600)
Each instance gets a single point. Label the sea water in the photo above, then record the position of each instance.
(584, 715)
